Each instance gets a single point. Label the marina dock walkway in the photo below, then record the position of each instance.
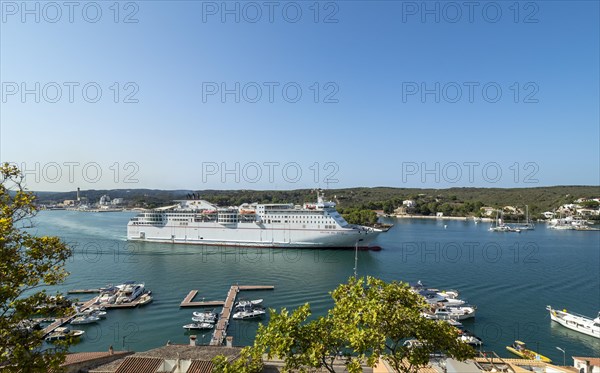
(187, 301)
(221, 327)
(63, 320)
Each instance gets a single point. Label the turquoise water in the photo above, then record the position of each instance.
(510, 277)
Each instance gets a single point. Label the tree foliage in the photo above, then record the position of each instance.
(371, 319)
(462, 201)
(249, 361)
(27, 264)
(379, 317)
(358, 216)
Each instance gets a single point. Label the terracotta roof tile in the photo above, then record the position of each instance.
(81, 357)
(139, 364)
(592, 360)
(201, 366)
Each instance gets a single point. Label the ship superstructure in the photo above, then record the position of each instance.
(196, 221)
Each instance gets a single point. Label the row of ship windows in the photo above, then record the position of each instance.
(269, 221)
(299, 215)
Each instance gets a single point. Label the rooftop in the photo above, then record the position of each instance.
(594, 361)
(81, 357)
(170, 358)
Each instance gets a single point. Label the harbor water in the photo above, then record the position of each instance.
(510, 277)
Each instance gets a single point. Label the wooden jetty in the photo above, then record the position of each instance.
(92, 302)
(188, 301)
(63, 320)
(221, 328)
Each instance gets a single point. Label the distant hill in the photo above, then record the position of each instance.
(539, 199)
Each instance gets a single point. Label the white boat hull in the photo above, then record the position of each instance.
(253, 235)
(575, 323)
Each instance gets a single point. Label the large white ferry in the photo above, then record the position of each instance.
(312, 225)
(580, 323)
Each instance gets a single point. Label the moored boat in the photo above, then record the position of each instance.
(83, 319)
(249, 314)
(208, 315)
(519, 348)
(145, 299)
(62, 333)
(199, 326)
(245, 303)
(574, 321)
(454, 313)
(469, 338)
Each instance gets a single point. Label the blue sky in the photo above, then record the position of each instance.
(370, 60)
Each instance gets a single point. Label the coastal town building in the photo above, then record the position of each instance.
(587, 364)
(483, 365)
(193, 358)
(400, 210)
(409, 203)
(174, 358)
(488, 211)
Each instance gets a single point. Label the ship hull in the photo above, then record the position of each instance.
(254, 236)
(573, 325)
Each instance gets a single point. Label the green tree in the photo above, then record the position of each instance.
(388, 207)
(27, 263)
(371, 319)
(302, 344)
(249, 361)
(358, 216)
(379, 317)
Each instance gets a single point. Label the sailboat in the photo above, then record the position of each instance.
(499, 226)
(528, 225)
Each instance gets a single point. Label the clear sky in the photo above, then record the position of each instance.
(408, 94)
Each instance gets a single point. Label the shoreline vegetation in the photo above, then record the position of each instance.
(365, 205)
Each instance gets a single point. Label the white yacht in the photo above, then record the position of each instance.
(469, 338)
(204, 318)
(568, 223)
(249, 314)
(199, 326)
(248, 303)
(573, 321)
(128, 292)
(79, 320)
(454, 313)
(312, 225)
(62, 333)
(432, 297)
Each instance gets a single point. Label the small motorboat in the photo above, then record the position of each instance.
(454, 313)
(519, 348)
(469, 338)
(432, 297)
(247, 307)
(145, 299)
(246, 303)
(93, 312)
(199, 325)
(456, 324)
(250, 314)
(208, 315)
(79, 320)
(204, 319)
(62, 333)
